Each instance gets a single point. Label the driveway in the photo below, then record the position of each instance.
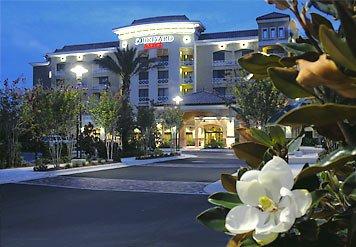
(49, 213)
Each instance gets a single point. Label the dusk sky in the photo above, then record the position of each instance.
(30, 29)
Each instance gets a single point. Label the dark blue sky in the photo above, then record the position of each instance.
(29, 29)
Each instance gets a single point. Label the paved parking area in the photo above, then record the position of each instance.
(151, 205)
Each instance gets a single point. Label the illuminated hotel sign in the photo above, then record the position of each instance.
(154, 40)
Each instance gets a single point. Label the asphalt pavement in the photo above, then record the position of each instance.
(36, 215)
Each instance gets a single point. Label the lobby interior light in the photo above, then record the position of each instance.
(177, 99)
(79, 70)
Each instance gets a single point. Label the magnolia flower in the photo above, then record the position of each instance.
(270, 207)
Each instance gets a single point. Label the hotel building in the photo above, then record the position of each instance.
(198, 66)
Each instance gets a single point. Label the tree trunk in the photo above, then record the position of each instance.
(126, 113)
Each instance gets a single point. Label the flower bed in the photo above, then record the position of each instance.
(156, 156)
(73, 164)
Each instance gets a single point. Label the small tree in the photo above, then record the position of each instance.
(146, 122)
(172, 117)
(257, 101)
(106, 114)
(11, 122)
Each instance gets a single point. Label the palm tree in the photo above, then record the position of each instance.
(125, 63)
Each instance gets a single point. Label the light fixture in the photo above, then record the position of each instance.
(63, 58)
(79, 57)
(177, 99)
(50, 74)
(79, 70)
(124, 44)
(187, 39)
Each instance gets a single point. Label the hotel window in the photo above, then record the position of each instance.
(143, 92)
(143, 75)
(162, 55)
(60, 66)
(162, 92)
(104, 80)
(265, 33)
(219, 73)
(220, 90)
(219, 56)
(281, 33)
(246, 51)
(143, 57)
(163, 74)
(273, 33)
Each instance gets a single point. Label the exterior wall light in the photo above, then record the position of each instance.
(50, 74)
(80, 57)
(63, 59)
(177, 99)
(187, 39)
(79, 70)
(124, 44)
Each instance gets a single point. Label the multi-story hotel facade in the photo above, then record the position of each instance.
(199, 67)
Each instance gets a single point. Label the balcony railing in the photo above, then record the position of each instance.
(163, 63)
(218, 80)
(187, 63)
(143, 99)
(219, 63)
(187, 80)
(162, 81)
(143, 82)
(162, 98)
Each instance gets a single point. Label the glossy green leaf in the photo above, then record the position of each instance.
(214, 218)
(298, 48)
(349, 26)
(295, 144)
(284, 79)
(277, 134)
(349, 186)
(261, 137)
(325, 7)
(258, 63)
(291, 61)
(224, 199)
(337, 48)
(317, 114)
(317, 195)
(330, 161)
(228, 181)
(318, 20)
(251, 152)
(249, 242)
(310, 183)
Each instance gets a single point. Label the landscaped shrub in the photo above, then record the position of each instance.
(78, 162)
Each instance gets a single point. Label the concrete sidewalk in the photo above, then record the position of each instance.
(15, 175)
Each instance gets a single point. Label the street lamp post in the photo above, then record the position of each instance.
(177, 100)
(79, 70)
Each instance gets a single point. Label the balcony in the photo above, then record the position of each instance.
(187, 80)
(143, 99)
(219, 63)
(162, 81)
(187, 63)
(162, 64)
(143, 82)
(162, 99)
(219, 80)
(100, 71)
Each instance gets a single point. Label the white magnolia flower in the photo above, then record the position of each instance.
(270, 207)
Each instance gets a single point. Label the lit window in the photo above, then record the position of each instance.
(265, 33)
(273, 33)
(162, 92)
(281, 33)
(143, 92)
